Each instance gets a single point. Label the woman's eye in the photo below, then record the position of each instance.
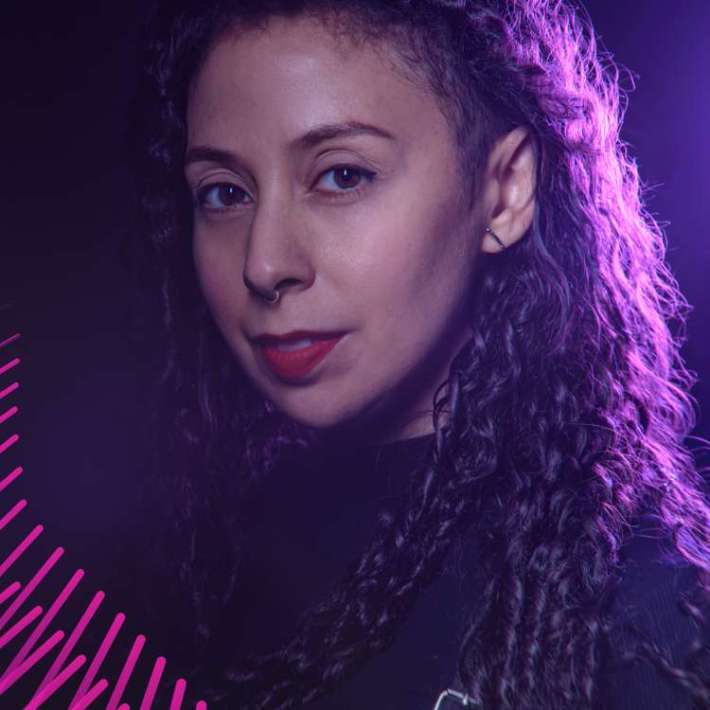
(347, 178)
(220, 196)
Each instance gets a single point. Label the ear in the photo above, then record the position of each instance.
(509, 189)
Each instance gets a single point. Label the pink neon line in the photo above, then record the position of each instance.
(99, 657)
(201, 705)
(9, 390)
(9, 413)
(178, 694)
(124, 706)
(11, 678)
(126, 672)
(10, 478)
(18, 626)
(19, 551)
(46, 620)
(12, 513)
(9, 591)
(8, 366)
(150, 691)
(9, 442)
(9, 340)
(74, 637)
(56, 684)
(90, 696)
(30, 587)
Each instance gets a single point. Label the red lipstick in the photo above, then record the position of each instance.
(305, 350)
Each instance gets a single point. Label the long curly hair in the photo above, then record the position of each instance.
(567, 408)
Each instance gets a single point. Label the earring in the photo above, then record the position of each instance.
(496, 237)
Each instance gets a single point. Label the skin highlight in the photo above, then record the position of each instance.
(387, 255)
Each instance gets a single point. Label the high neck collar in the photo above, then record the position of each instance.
(409, 450)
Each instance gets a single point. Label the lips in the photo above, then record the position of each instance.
(295, 357)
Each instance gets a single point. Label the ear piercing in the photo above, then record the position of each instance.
(496, 237)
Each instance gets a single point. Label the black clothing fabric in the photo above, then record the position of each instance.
(316, 514)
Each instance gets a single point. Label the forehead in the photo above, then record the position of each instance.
(296, 72)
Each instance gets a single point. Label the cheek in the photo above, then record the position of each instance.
(436, 269)
(219, 273)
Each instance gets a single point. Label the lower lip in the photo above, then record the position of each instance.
(294, 364)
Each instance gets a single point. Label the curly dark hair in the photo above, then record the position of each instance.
(569, 405)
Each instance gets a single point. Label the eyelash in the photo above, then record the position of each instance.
(370, 176)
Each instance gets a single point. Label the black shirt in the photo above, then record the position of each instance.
(315, 516)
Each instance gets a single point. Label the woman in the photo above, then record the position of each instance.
(407, 232)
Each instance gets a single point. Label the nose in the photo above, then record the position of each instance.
(277, 255)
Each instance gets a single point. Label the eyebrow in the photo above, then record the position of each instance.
(310, 139)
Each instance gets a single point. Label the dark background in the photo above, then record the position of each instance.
(67, 78)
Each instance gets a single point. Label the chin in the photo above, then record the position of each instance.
(325, 411)
(315, 417)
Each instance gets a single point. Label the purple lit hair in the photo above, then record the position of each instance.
(570, 403)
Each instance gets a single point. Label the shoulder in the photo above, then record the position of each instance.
(647, 607)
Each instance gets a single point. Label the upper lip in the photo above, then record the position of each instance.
(265, 338)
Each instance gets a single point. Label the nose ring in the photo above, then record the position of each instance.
(273, 297)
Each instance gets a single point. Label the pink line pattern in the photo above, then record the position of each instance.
(9, 365)
(12, 513)
(126, 673)
(91, 695)
(12, 476)
(20, 625)
(9, 413)
(9, 591)
(39, 619)
(9, 390)
(9, 340)
(17, 552)
(57, 683)
(11, 441)
(152, 688)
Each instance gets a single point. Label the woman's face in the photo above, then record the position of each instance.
(364, 231)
